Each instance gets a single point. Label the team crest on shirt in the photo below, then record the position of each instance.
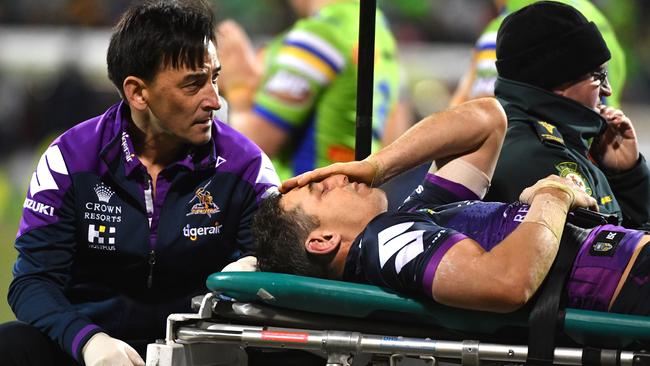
(204, 202)
(569, 170)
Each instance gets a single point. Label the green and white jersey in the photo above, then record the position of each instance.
(310, 87)
(485, 49)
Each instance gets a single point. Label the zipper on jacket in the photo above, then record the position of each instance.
(152, 261)
(148, 200)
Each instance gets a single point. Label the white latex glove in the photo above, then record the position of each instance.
(103, 350)
(245, 264)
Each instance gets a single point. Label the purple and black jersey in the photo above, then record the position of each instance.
(401, 250)
(99, 250)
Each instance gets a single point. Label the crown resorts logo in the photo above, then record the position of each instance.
(103, 193)
(205, 204)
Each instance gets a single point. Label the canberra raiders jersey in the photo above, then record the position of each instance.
(402, 250)
(309, 87)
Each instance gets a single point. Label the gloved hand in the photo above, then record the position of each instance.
(244, 264)
(103, 350)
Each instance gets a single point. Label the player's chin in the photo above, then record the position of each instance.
(382, 200)
(200, 136)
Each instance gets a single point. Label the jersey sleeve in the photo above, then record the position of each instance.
(298, 68)
(265, 183)
(436, 191)
(400, 251)
(46, 245)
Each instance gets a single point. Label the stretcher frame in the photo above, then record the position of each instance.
(350, 324)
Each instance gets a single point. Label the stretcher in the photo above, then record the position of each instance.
(358, 324)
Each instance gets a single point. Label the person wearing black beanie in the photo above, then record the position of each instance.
(552, 71)
(548, 43)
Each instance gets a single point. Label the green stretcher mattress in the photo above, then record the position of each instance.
(361, 301)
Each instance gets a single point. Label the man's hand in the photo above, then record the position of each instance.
(241, 72)
(103, 350)
(617, 148)
(368, 171)
(576, 197)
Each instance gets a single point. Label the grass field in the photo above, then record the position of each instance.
(7, 258)
(8, 227)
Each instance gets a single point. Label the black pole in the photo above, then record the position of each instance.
(363, 142)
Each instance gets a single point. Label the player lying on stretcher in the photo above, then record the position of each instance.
(444, 242)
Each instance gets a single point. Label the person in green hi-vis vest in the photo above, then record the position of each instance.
(479, 79)
(299, 102)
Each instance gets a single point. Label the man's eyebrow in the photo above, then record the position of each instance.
(310, 186)
(194, 76)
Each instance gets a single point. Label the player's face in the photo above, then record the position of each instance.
(337, 203)
(181, 101)
(588, 91)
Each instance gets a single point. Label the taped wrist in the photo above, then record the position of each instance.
(529, 193)
(378, 175)
(549, 211)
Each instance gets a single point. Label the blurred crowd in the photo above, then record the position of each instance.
(33, 106)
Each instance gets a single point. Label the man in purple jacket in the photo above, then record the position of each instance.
(128, 212)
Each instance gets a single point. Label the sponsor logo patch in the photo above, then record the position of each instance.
(102, 211)
(606, 243)
(128, 156)
(205, 204)
(569, 170)
(101, 237)
(103, 192)
(38, 207)
(194, 232)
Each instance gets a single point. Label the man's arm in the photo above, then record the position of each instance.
(239, 81)
(505, 278)
(268, 136)
(473, 130)
(46, 245)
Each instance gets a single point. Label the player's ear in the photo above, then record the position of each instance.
(135, 92)
(322, 242)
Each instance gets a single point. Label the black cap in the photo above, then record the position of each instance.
(547, 44)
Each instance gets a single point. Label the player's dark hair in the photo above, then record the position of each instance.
(279, 237)
(156, 34)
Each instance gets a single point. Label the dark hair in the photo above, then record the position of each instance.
(279, 237)
(156, 34)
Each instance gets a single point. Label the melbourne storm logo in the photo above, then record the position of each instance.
(205, 204)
